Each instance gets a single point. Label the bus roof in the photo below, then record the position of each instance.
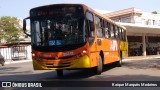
(56, 4)
(86, 8)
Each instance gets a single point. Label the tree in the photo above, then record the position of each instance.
(10, 28)
(154, 12)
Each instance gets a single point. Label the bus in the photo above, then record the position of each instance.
(74, 36)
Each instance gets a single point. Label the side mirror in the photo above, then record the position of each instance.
(24, 26)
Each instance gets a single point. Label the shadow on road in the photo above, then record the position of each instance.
(80, 74)
(86, 75)
(13, 73)
(30, 75)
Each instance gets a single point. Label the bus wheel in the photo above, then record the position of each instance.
(100, 66)
(3, 64)
(119, 63)
(59, 73)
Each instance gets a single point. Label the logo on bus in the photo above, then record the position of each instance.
(68, 54)
(114, 45)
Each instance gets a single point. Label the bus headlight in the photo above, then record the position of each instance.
(80, 54)
(77, 56)
(84, 51)
(33, 54)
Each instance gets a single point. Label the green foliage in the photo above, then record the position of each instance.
(154, 12)
(10, 28)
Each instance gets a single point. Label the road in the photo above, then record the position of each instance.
(132, 70)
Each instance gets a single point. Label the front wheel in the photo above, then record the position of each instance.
(3, 63)
(100, 66)
(119, 63)
(59, 73)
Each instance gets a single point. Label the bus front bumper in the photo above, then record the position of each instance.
(80, 63)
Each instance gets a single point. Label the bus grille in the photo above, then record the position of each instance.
(67, 57)
(58, 66)
(61, 65)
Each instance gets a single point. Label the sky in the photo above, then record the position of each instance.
(20, 8)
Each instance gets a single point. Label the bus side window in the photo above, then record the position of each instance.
(106, 29)
(119, 33)
(116, 32)
(90, 24)
(109, 31)
(99, 27)
(123, 35)
(112, 31)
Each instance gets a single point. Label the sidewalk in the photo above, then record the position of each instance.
(17, 61)
(142, 57)
(126, 59)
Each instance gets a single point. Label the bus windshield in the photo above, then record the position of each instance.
(58, 30)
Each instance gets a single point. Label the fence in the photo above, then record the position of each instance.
(16, 52)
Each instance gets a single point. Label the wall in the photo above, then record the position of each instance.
(8, 52)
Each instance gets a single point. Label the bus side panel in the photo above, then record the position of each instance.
(112, 54)
(110, 49)
(124, 49)
(93, 59)
(93, 54)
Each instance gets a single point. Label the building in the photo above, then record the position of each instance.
(143, 30)
(16, 50)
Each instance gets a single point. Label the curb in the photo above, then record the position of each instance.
(141, 58)
(21, 61)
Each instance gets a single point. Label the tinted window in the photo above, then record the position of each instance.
(90, 24)
(107, 29)
(123, 35)
(112, 30)
(116, 32)
(99, 27)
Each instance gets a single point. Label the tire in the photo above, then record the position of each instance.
(59, 73)
(100, 66)
(2, 63)
(119, 63)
